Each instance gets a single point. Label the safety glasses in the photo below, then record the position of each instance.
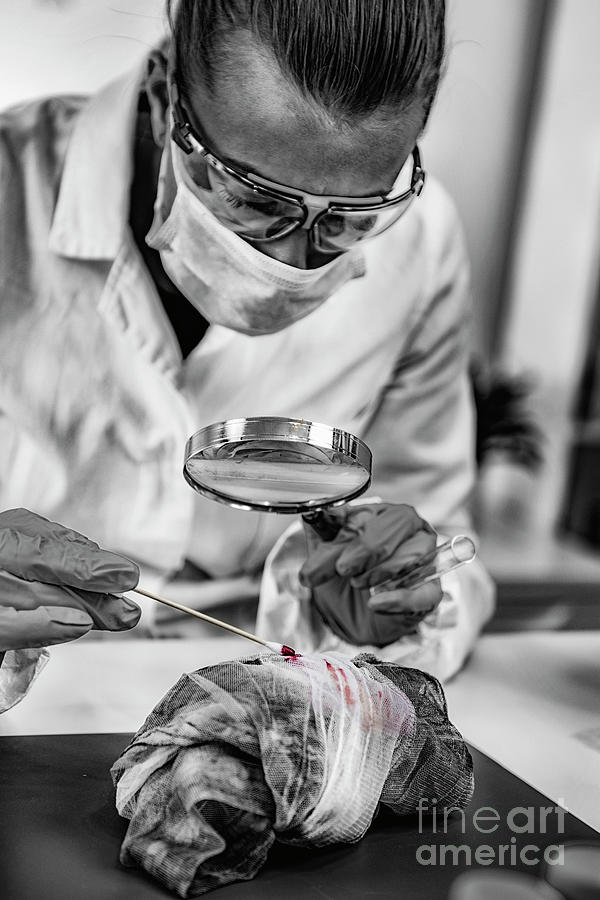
(261, 211)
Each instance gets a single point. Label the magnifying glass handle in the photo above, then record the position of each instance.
(326, 524)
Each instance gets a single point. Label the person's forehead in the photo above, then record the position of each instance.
(256, 120)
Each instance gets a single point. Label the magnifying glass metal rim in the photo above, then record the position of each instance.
(253, 428)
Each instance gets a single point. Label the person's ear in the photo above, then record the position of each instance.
(158, 96)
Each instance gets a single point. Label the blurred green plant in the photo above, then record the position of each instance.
(504, 423)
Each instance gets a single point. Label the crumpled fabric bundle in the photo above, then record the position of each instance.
(298, 748)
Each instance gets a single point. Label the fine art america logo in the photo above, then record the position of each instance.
(520, 821)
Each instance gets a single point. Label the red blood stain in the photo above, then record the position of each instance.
(347, 690)
(289, 652)
(386, 716)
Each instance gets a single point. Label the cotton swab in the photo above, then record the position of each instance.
(282, 649)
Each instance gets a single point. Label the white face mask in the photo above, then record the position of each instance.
(228, 280)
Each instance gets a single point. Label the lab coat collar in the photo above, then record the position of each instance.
(92, 212)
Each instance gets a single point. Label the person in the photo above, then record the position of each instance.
(239, 228)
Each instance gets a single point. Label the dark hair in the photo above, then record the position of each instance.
(350, 56)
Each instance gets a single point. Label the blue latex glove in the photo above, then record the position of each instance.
(376, 541)
(56, 585)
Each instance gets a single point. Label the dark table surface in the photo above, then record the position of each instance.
(60, 835)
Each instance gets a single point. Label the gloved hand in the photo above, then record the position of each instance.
(376, 542)
(56, 585)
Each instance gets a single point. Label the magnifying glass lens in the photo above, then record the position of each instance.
(276, 464)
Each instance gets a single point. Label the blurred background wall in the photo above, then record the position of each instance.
(515, 137)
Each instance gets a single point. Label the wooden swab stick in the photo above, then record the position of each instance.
(272, 645)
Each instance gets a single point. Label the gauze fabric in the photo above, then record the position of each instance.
(227, 279)
(299, 749)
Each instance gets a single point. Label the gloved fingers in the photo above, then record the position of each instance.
(370, 535)
(35, 549)
(348, 613)
(320, 565)
(419, 600)
(106, 611)
(385, 629)
(41, 627)
(109, 612)
(403, 559)
(380, 537)
(32, 524)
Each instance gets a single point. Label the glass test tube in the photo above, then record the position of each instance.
(454, 553)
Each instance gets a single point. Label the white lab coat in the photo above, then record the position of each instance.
(96, 403)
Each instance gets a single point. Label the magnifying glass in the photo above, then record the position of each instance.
(281, 465)
(274, 464)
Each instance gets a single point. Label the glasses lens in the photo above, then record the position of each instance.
(258, 215)
(339, 230)
(250, 213)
